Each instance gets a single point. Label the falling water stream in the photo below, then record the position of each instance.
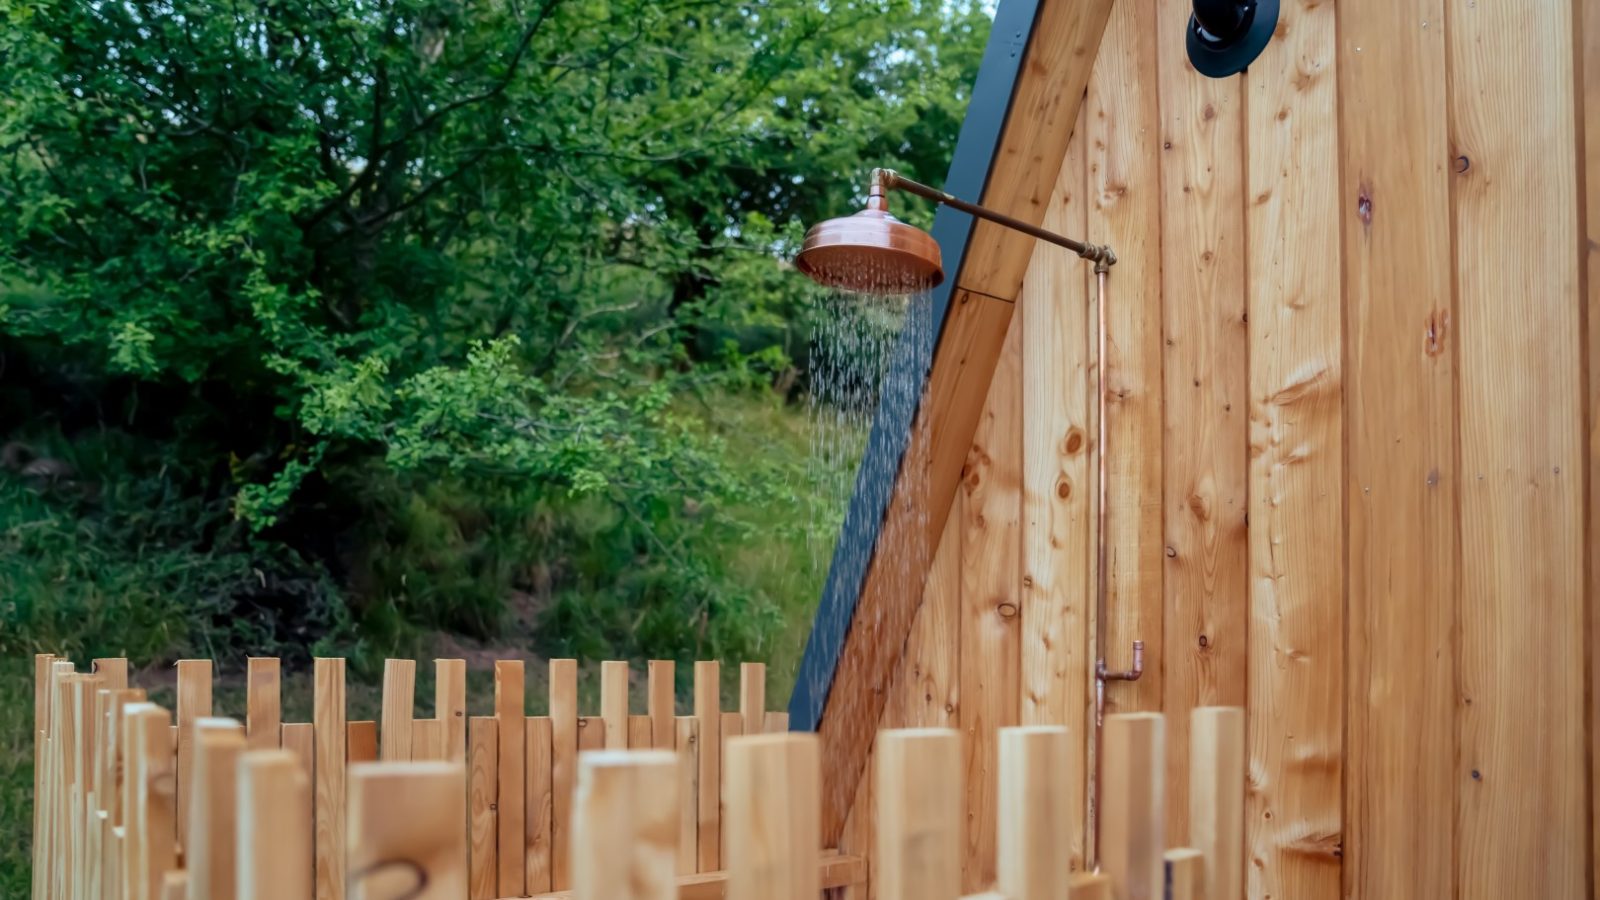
(870, 353)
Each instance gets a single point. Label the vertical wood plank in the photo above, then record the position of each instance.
(1204, 368)
(1589, 15)
(991, 636)
(776, 722)
(662, 703)
(1056, 479)
(563, 766)
(361, 742)
(152, 818)
(774, 817)
(483, 755)
(1296, 668)
(917, 788)
(450, 707)
(213, 810)
(1124, 210)
(1185, 874)
(614, 703)
(687, 735)
(1216, 797)
(708, 709)
(538, 744)
(732, 727)
(299, 738)
(328, 719)
(263, 703)
(510, 710)
(1091, 887)
(753, 696)
(274, 856)
(42, 663)
(591, 734)
(1131, 831)
(1038, 813)
(930, 673)
(1521, 742)
(1401, 467)
(639, 733)
(399, 707)
(194, 703)
(113, 672)
(394, 815)
(624, 826)
(175, 886)
(428, 740)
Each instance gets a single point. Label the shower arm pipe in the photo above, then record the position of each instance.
(885, 180)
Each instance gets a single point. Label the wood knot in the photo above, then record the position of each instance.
(1074, 441)
(1007, 610)
(1364, 204)
(1438, 325)
(1064, 487)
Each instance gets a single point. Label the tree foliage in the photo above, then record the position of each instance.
(353, 250)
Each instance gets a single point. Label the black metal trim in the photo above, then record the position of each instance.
(970, 169)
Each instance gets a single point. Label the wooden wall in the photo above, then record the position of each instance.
(1354, 432)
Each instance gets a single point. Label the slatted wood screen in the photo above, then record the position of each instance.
(114, 771)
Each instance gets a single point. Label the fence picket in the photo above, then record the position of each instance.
(774, 822)
(398, 845)
(918, 791)
(623, 826)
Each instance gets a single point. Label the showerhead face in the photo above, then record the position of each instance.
(871, 252)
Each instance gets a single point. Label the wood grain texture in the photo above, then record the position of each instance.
(991, 637)
(450, 707)
(1091, 887)
(1520, 736)
(113, 671)
(774, 817)
(1296, 667)
(1040, 812)
(614, 703)
(213, 811)
(1131, 831)
(1055, 450)
(625, 826)
(1589, 92)
(917, 805)
(838, 872)
(1401, 475)
(394, 815)
(591, 734)
(1044, 108)
(328, 717)
(510, 712)
(1204, 373)
(361, 742)
(299, 738)
(263, 703)
(483, 787)
(274, 850)
(427, 740)
(563, 766)
(639, 736)
(537, 744)
(194, 703)
(661, 703)
(1124, 210)
(399, 708)
(687, 736)
(1217, 797)
(42, 663)
(708, 710)
(930, 675)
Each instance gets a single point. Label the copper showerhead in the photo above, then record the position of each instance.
(871, 251)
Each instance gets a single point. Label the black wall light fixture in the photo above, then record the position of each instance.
(1225, 36)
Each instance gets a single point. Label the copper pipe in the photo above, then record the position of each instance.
(884, 180)
(1102, 674)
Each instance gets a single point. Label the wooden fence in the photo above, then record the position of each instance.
(104, 755)
(125, 812)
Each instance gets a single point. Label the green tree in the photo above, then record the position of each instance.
(349, 250)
